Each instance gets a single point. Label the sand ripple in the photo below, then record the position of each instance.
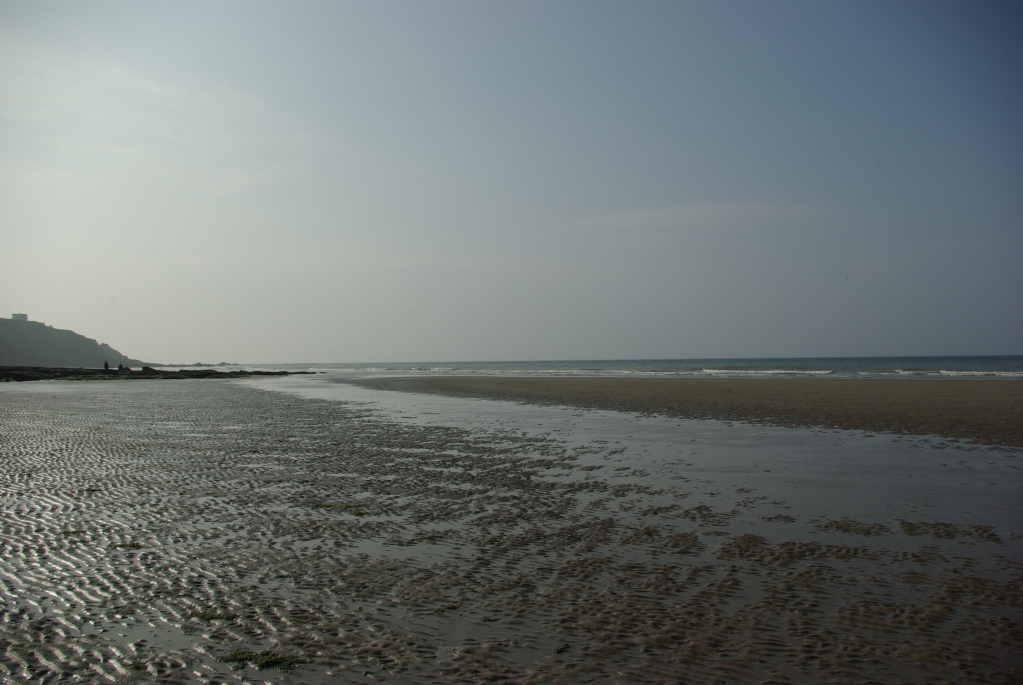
(205, 531)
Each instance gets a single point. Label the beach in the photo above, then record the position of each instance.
(308, 530)
(989, 412)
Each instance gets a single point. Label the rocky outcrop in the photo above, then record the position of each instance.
(30, 343)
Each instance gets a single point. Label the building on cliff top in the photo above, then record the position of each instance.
(19, 317)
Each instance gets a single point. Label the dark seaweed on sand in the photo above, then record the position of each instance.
(262, 660)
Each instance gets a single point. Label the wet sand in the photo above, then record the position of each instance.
(218, 532)
(987, 411)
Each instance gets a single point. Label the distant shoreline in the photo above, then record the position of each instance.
(985, 412)
(23, 374)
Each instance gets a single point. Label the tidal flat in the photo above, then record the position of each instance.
(305, 530)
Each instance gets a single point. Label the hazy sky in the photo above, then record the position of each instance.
(267, 181)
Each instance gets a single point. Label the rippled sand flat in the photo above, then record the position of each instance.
(223, 532)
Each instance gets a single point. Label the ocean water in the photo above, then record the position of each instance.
(1004, 367)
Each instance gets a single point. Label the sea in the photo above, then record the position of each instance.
(987, 367)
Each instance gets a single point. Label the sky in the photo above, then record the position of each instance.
(437, 181)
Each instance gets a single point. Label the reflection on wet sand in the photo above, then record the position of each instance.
(212, 531)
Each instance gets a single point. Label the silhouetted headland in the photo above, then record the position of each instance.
(32, 343)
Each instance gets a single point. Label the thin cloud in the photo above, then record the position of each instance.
(92, 116)
(695, 217)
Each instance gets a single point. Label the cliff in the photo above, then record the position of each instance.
(30, 343)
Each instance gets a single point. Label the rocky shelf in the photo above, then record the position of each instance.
(42, 373)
